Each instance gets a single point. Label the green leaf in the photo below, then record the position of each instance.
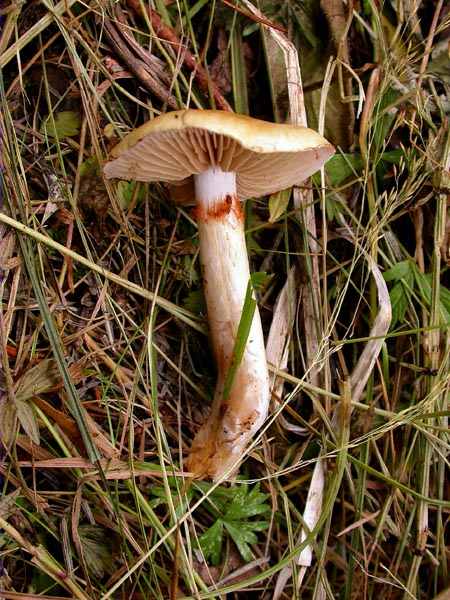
(64, 124)
(126, 191)
(278, 204)
(333, 207)
(246, 504)
(408, 277)
(256, 525)
(90, 167)
(245, 323)
(392, 156)
(399, 302)
(259, 280)
(383, 123)
(195, 302)
(341, 167)
(445, 298)
(219, 499)
(400, 270)
(400, 294)
(423, 282)
(211, 542)
(423, 285)
(241, 537)
(232, 509)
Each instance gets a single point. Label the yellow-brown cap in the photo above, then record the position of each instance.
(266, 157)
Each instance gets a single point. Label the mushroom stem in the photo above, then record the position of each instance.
(222, 439)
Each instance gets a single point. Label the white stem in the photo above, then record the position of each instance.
(222, 440)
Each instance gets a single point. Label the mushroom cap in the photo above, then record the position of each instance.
(266, 157)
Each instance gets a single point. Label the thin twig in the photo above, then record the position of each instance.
(138, 66)
(204, 81)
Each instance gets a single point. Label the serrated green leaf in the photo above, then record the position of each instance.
(246, 504)
(256, 525)
(255, 495)
(211, 542)
(219, 498)
(246, 533)
(64, 124)
(241, 538)
(278, 204)
(232, 509)
(423, 285)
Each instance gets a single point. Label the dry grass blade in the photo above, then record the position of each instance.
(380, 327)
(166, 33)
(43, 559)
(277, 346)
(137, 66)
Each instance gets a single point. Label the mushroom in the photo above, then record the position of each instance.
(228, 158)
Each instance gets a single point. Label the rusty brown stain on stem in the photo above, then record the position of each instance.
(230, 205)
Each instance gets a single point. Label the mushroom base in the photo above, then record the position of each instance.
(220, 443)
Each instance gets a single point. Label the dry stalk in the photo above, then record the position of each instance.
(14, 50)
(139, 67)
(164, 32)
